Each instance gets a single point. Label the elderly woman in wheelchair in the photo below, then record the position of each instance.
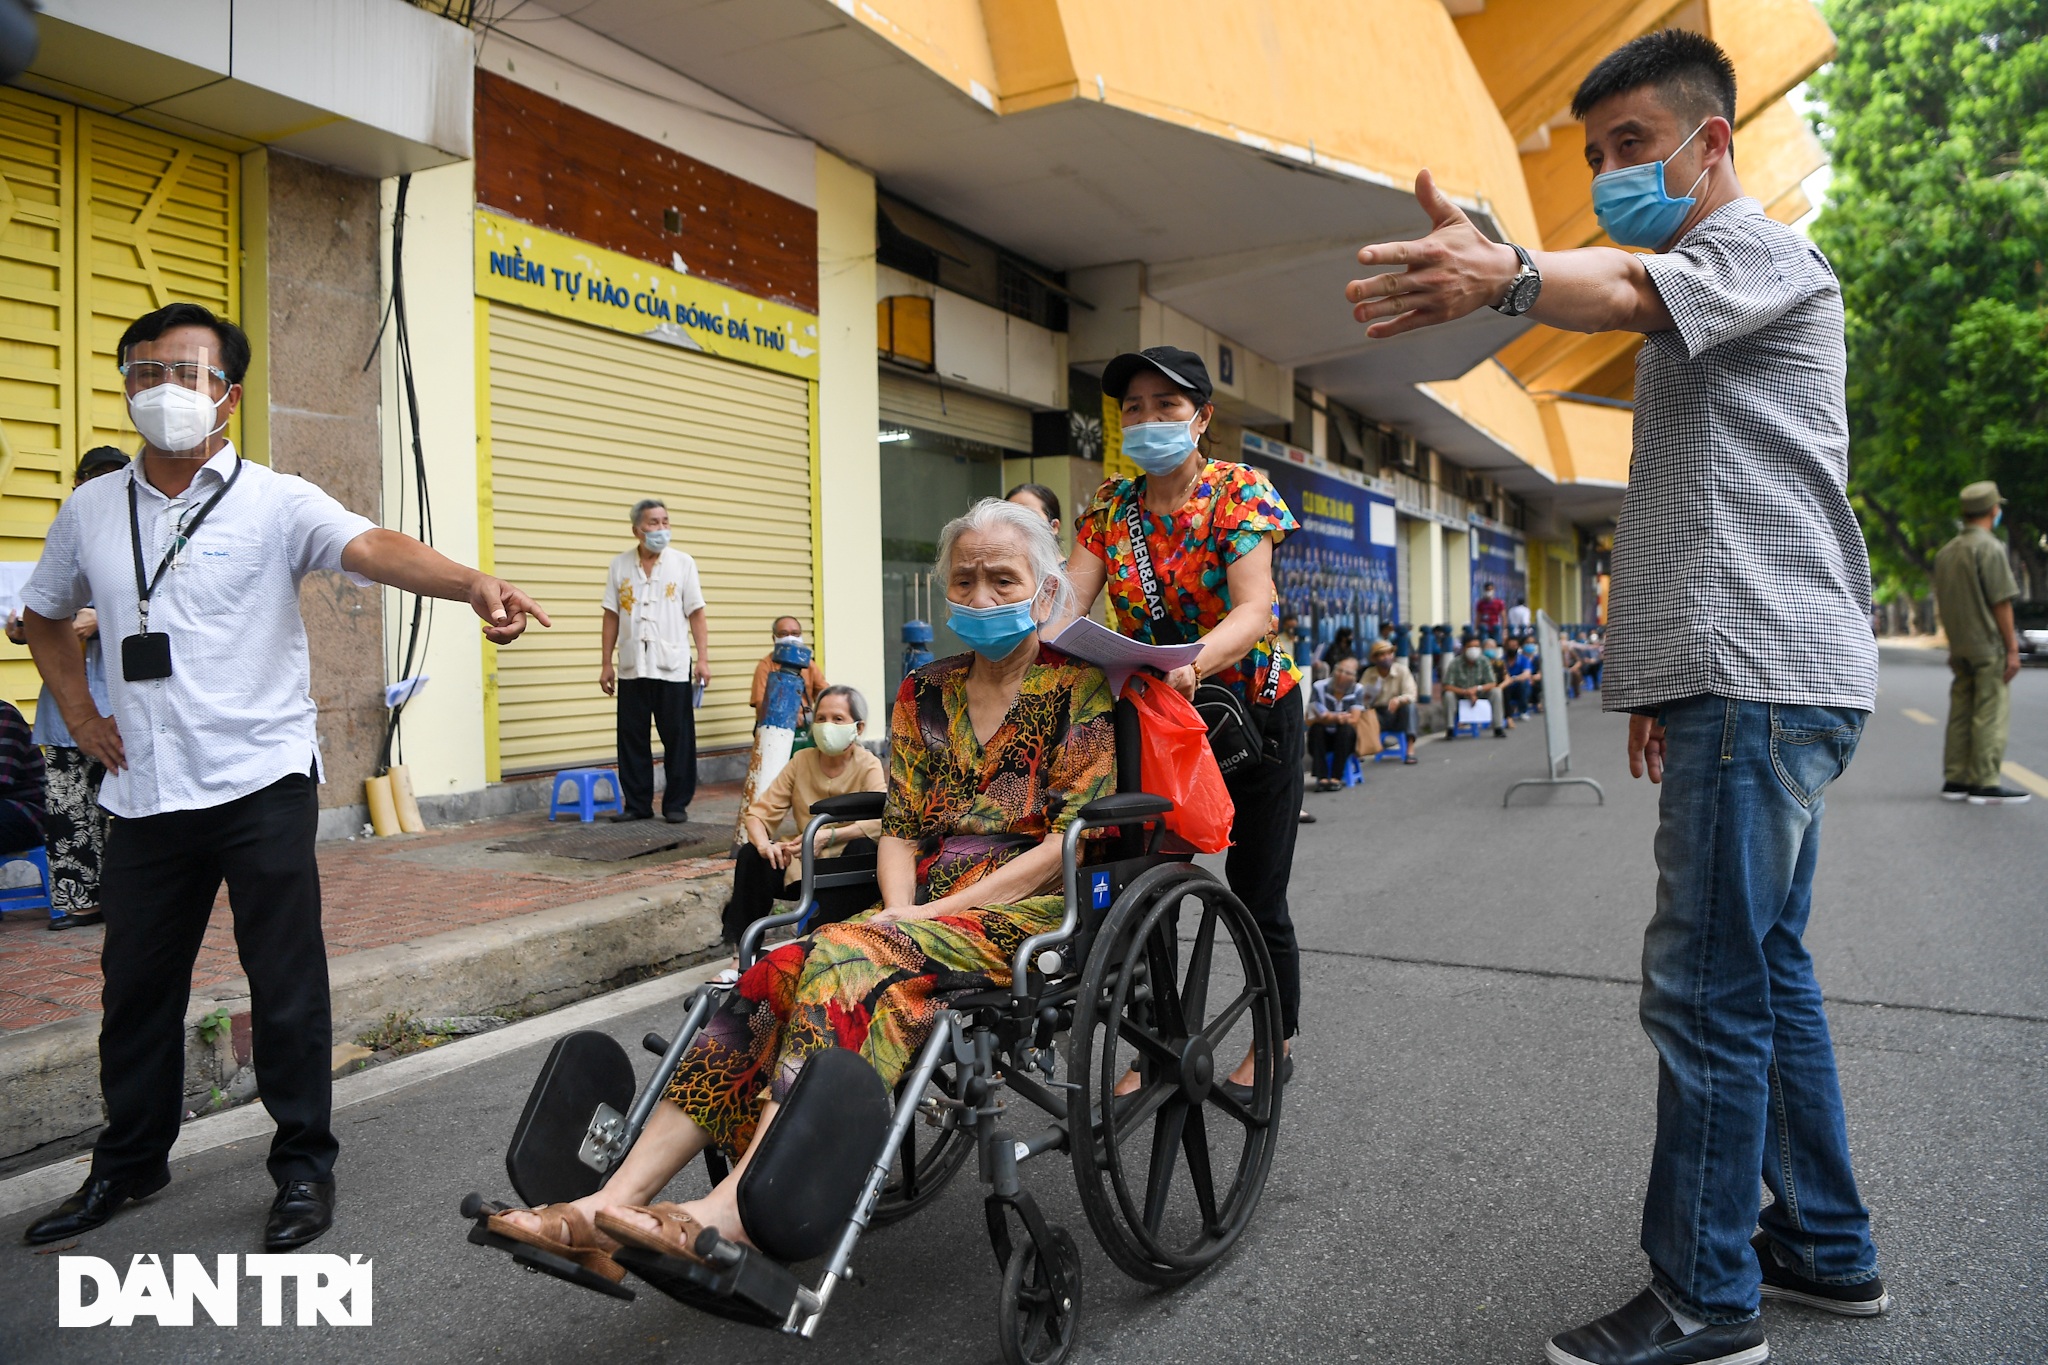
(1028, 914)
(992, 753)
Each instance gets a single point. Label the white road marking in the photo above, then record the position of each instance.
(49, 1184)
(1915, 713)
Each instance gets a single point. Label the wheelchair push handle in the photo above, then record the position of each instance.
(850, 809)
(1107, 812)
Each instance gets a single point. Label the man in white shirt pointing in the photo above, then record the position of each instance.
(193, 558)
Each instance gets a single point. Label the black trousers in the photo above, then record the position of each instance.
(1261, 857)
(157, 888)
(756, 887)
(1329, 744)
(671, 706)
(1398, 718)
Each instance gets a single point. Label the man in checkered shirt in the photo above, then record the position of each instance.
(1739, 641)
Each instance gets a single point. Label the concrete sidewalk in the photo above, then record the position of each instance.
(432, 924)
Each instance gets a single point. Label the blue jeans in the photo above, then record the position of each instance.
(1746, 1080)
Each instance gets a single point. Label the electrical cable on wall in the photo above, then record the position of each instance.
(420, 631)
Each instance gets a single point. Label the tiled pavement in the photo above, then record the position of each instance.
(375, 892)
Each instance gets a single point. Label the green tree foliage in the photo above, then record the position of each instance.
(1935, 114)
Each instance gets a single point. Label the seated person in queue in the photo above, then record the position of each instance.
(1469, 677)
(991, 755)
(786, 630)
(1525, 677)
(1390, 694)
(766, 868)
(1336, 721)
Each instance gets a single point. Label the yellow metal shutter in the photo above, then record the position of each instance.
(584, 423)
(158, 223)
(36, 318)
(954, 412)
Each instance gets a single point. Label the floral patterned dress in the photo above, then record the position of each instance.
(969, 808)
(1231, 509)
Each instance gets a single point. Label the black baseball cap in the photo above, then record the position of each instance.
(1183, 368)
(100, 459)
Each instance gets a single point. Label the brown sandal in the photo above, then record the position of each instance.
(675, 1233)
(573, 1237)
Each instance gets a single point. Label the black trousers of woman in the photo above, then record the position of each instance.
(1261, 857)
(756, 887)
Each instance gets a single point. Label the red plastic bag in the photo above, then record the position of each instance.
(1175, 763)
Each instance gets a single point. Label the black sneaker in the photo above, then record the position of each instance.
(1781, 1281)
(1954, 791)
(1643, 1332)
(1999, 796)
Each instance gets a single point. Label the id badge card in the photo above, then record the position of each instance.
(146, 657)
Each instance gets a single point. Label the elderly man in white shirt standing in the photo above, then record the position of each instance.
(193, 557)
(654, 623)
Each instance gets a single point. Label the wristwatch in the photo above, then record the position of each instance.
(1523, 289)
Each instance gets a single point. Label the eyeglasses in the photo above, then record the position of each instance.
(187, 374)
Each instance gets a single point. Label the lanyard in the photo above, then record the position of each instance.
(146, 584)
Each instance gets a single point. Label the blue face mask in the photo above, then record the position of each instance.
(992, 632)
(656, 540)
(1159, 447)
(1634, 208)
(1529, 650)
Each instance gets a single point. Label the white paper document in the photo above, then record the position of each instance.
(1478, 712)
(13, 577)
(1119, 656)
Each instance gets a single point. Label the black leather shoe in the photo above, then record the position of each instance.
(74, 919)
(1642, 1332)
(626, 817)
(97, 1200)
(676, 817)
(302, 1211)
(1781, 1281)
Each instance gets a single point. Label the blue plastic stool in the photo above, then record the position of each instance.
(586, 803)
(1396, 743)
(1354, 772)
(28, 897)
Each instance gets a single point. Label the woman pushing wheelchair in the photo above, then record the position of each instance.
(991, 755)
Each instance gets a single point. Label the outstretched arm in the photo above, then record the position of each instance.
(404, 563)
(1457, 270)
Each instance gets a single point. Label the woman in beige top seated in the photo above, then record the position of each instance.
(766, 868)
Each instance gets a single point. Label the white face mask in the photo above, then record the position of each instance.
(796, 639)
(834, 736)
(1472, 655)
(174, 418)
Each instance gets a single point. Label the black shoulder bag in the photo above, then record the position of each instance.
(1234, 737)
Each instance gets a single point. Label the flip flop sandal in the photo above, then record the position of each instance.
(573, 1244)
(675, 1234)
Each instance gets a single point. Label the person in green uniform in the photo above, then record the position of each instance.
(1974, 590)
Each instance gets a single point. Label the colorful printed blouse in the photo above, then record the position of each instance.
(1230, 511)
(970, 807)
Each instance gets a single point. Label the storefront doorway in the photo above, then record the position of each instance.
(927, 480)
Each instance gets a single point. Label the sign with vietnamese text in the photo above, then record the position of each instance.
(1338, 571)
(551, 273)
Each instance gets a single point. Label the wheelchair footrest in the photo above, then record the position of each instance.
(743, 1284)
(534, 1258)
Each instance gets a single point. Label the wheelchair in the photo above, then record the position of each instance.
(1155, 967)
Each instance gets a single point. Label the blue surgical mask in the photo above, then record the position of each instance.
(1159, 447)
(656, 540)
(1529, 650)
(1633, 206)
(992, 632)
(1493, 654)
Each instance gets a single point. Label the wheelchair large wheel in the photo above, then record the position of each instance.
(926, 1162)
(1169, 1174)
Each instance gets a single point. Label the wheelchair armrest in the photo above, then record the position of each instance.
(1124, 808)
(852, 806)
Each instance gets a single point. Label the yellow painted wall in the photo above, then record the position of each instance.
(849, 500)
(1589, 441)
(1487, 397)
(443, 727)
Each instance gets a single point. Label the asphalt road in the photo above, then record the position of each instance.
(1465, 1143)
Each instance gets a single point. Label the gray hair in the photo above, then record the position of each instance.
(1041, 546)
(856, 704)
(643, 507)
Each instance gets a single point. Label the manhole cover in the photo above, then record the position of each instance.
(604, 842)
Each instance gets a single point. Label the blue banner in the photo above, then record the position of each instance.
(1338, 570)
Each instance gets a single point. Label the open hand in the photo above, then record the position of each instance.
(1455, 270)
(903, 914)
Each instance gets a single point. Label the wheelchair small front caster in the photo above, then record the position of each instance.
(1036, 1324)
